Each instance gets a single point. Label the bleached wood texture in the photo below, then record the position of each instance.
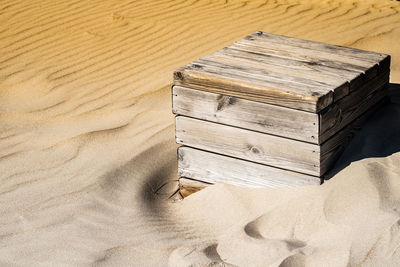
(250, 145)
(271, 150)
(349, 108)
(230, 80)
(244, 113)
(341, 54)
(189, 186)
(215, 168)
(341, 59)
(283, 71)
(278, 120)
(333, 147)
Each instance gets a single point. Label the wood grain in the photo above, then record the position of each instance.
(341, 53)
(277, 120)
(349, 108)
(246, 114)
(299, 70)
(254, 146)
(253, 86)
(333, 147)
(319, 53)
(288, 154)
(254, 60)
(213, 168)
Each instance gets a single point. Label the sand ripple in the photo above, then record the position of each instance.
(87, 153)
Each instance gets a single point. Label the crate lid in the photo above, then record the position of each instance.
(284, 71)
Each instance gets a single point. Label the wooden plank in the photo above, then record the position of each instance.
(246, 114)
(262, 76)
(368, 62)
(214, 168)
(340, 79)
(245, 144)
(330, 79)
(333, 147)
(189, 186)
(284, 71)
(267, 149)
(239, 84)
(254, 67)
(354, 75)
(349, 108)
(274, 119)
(310, 57)
(346, 52)
(335, 75)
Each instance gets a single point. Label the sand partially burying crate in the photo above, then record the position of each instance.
(271, 110)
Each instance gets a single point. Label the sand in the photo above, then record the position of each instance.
(87, 152)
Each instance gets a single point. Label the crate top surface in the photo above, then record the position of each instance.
(285, 71)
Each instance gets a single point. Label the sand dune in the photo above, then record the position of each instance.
(87, 153)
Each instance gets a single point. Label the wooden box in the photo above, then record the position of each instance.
(271, 110)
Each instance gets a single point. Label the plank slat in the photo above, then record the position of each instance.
(254, 146)
(246, 114)
(299, 71)
(215, 168)
(333, 147)
(220, 81)
(288, 72)
(309, 56)
(262, 76)
(349, 108)
(270, 150)
(268, 73)
(337, 50)
(278, 120)
(341, 53)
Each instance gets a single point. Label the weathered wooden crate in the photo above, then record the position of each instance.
(273, 110)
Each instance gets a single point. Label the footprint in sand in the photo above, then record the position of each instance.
(250, 245)
(252, 230)
(296, 260)
(196, 255)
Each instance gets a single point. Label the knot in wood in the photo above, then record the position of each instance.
(315, 94)
(255, 150)
(180, 155)
(224, 100)
(178, 75)
(265, 123)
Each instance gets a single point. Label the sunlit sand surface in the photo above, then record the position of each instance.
(87, 152)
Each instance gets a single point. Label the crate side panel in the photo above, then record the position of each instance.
(215, 168)
(249, 145)
(246, 114)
